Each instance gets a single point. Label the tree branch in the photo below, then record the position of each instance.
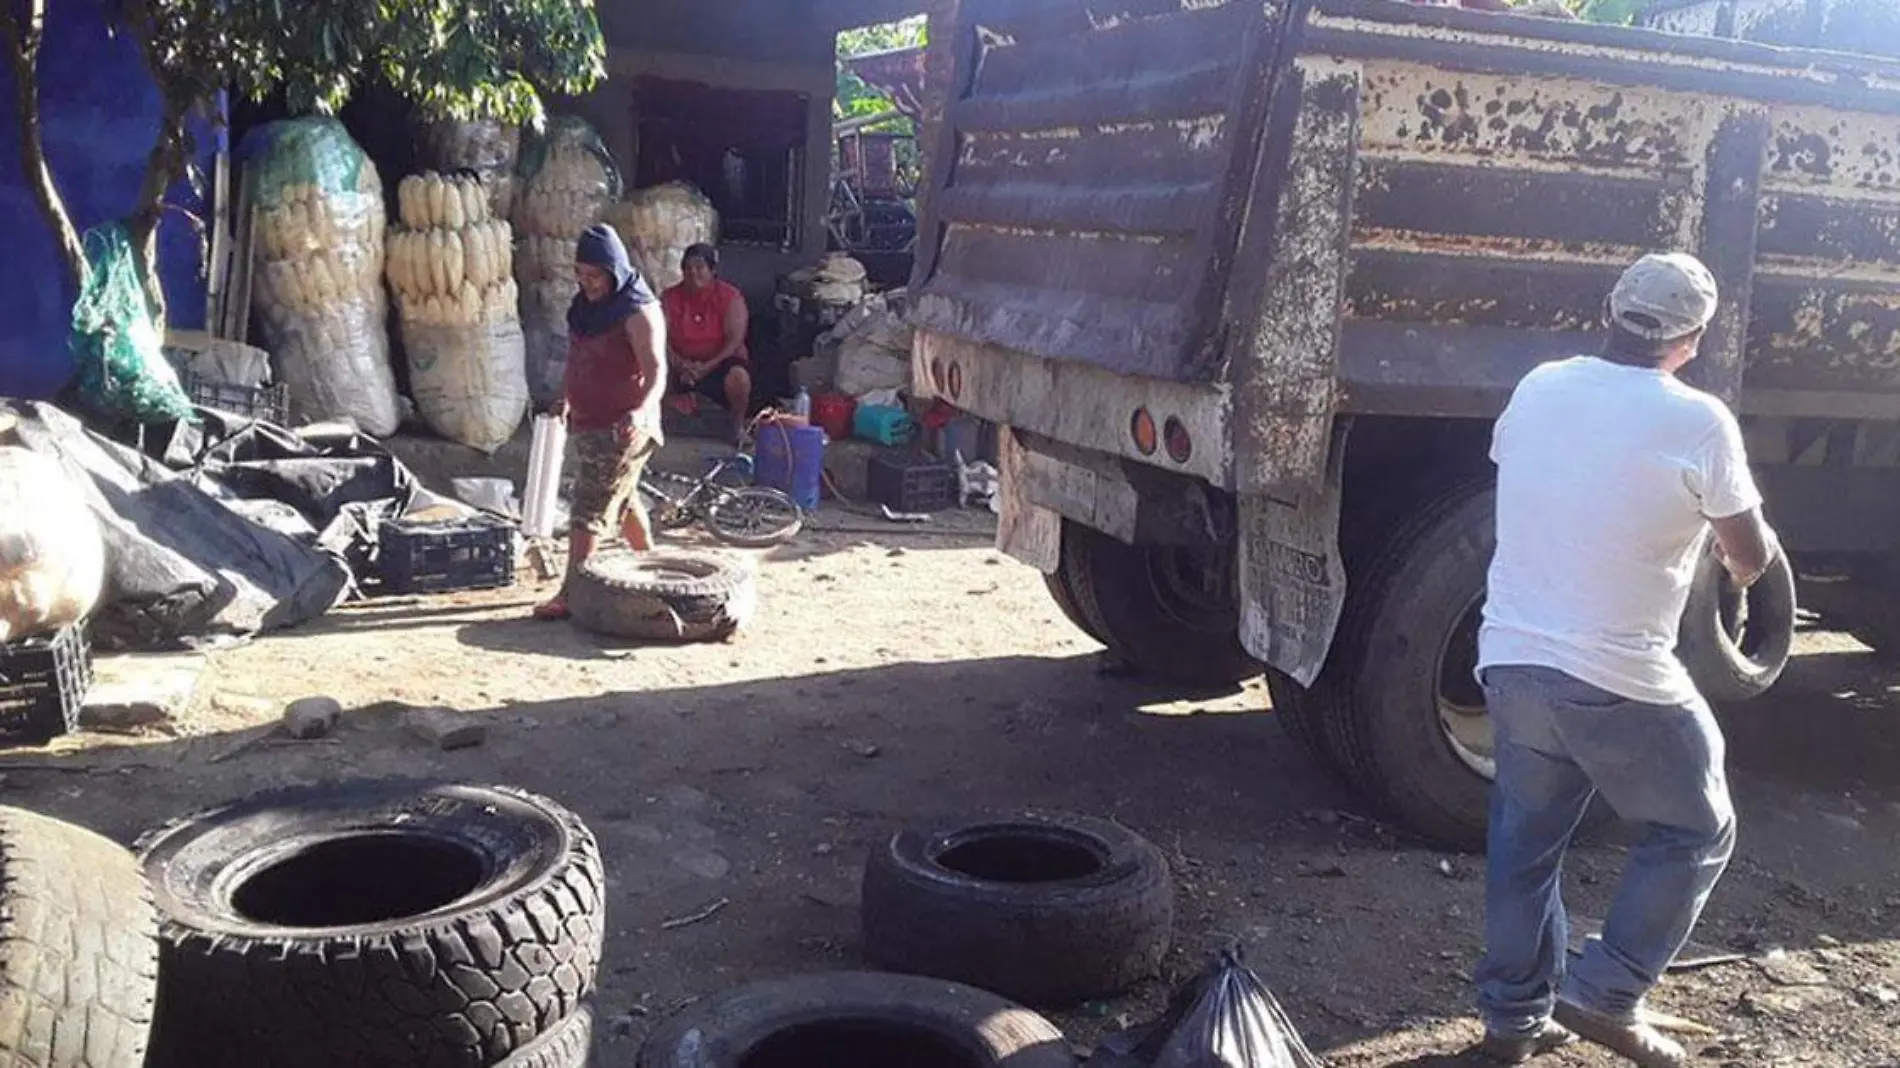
(24, 27)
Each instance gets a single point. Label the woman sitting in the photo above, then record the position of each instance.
(706, 322)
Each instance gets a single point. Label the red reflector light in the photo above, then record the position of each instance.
(956, 381)
(1180, 444)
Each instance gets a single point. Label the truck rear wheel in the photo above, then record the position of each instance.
(1398, 703)
(1169, 610)
(1403, 717)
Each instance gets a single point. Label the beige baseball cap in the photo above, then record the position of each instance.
(1664, 296)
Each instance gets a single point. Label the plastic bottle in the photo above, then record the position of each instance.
(801, 404)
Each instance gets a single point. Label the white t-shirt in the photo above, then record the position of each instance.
(1607, 477)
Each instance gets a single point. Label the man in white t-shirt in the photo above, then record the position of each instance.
(1611, 473)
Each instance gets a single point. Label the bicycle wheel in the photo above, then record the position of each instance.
(754, 518)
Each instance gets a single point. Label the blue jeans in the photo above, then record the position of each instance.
(1559, 743)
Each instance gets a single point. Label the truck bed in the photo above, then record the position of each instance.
(1364, 206)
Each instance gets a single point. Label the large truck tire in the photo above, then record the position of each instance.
(1158, 607)
(1048, 910)
(374, 924)
(1735, 646)
(78, 947)
(1404, 715)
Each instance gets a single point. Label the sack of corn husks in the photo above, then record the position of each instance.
(450, 266)
(487, 147)
(52, 555)
(467, 379)
(659, 224)
(566, 180)
(319, 245)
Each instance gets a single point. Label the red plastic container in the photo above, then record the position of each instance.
(833, 411)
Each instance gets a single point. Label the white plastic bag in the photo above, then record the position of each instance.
(52, 556)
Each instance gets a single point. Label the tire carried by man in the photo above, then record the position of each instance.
(1050, 910)
(378, 925)
(78, 947)
(663, 596)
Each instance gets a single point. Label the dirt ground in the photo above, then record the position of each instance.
(896, 675)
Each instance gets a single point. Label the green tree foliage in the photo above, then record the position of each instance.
(454, 59)
(854, 97)
(1615, 12)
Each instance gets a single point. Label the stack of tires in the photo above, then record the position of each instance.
(375, 924)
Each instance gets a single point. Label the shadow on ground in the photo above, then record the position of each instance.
(767, 794)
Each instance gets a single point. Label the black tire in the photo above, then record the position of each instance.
(375, 925)
(1300, 718)
(856, 1018)
(1048, 910)
(1062, 592)
(567, 1046)
(1145, 619)
(665, 597)
(1728, 669)
(78, 947)
(1408, 628)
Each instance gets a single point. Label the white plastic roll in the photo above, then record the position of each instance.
(544, 474)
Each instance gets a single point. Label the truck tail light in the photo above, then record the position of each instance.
(1142, 428)
(1180, 443)
(956, 381)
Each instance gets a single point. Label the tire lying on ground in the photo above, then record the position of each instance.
(374, 925)
(1048, 910)
(1736, 645)
(855, 1018)
(78, 948)
(665, 596)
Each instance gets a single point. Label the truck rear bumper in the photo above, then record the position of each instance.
(1081, 405)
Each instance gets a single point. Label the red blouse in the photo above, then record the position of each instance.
(696, 322)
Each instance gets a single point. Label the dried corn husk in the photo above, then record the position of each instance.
(659, 224)
(319, 233)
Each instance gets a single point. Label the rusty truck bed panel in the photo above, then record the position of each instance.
(1503, 170)
(1081, 215)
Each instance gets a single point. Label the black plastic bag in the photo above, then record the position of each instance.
(1225, 1018)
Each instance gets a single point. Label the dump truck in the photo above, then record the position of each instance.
(1247, 281)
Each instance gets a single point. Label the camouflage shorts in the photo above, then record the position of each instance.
(608, 475)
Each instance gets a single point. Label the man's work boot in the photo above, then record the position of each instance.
(1640, 1042)
(1516, 1049)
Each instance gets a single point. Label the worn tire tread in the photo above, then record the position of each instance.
(464, 992)
(78, 947)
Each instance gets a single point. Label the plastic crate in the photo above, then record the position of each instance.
(884, 424)
(43, 684)
(907, 483)
(266, 404)
(440, 557)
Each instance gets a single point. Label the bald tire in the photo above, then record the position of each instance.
(662, 596)
(78, 948)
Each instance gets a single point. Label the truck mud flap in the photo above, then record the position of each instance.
(1292, 581)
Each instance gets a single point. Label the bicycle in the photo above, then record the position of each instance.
(735, 512)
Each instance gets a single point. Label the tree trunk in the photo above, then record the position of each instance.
(24, 27)
(167, 163)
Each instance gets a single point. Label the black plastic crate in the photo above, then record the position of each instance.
(43, 684)
(439, 557)
(909, 483)
(268, 404)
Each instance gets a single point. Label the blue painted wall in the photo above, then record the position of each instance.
(100, 111)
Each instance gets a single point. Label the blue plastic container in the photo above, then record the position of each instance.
(792, 460)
